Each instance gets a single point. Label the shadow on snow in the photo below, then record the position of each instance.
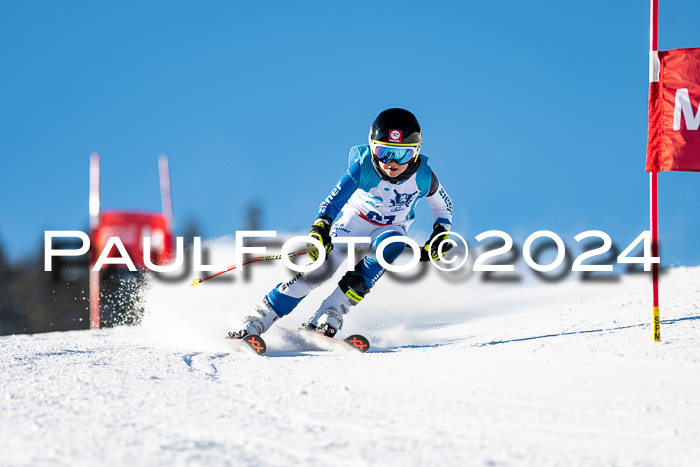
(590, 331)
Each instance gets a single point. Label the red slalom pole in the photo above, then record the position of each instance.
(196, 281)
(654, 227)
(654, 182)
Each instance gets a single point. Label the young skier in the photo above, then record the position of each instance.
(375, 198)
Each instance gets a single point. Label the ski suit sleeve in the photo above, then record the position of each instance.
(440, 203)
(340, 194)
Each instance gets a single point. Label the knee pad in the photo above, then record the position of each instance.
(353, 283)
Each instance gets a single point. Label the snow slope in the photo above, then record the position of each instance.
(460, 373)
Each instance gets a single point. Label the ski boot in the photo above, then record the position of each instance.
(325, 329)
(258, 322)
(329, 318)
(309, 326)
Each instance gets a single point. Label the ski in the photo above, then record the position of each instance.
(354, 342)
(358, 342)
(249, 344)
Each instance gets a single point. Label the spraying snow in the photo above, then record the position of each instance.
(460, 373)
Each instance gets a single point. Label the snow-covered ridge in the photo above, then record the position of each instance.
(465, 373)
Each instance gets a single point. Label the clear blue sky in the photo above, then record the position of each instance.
(534, 113)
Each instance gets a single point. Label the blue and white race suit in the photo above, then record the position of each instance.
(362, 204)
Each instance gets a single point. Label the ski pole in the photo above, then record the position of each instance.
(196, 281)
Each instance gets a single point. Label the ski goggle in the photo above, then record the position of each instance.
(387, 152)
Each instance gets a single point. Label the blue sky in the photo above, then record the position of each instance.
(534, 113)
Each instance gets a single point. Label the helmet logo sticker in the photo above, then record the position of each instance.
(395, 136)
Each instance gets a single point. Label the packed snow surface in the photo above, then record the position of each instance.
(461, 372)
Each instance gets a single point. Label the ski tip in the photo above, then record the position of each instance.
(256, 343)
(358, 342)
(251, 342)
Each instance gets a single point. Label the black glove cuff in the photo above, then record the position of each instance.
(327, 221)
(322, 227)
(438, 229)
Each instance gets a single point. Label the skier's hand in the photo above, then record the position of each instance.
(440, 234)
(321, 231)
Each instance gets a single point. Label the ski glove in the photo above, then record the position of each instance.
(321, 232)
(440, 234)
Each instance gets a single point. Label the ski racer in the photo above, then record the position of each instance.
(375, 198)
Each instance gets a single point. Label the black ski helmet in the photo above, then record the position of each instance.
(396, 126)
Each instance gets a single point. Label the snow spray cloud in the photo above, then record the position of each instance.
(507, 252)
